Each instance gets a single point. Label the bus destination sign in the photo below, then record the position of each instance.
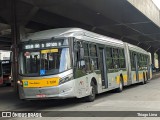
(43, 45)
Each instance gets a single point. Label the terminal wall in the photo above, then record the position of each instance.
(148, 8)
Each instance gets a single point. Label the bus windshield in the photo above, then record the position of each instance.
(45, 61)
(6, 66)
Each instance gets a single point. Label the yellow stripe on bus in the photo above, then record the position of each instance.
(45, 82)
(125, 78)
(118, 79)
(150, 74)
(140, 76)
(134, 76)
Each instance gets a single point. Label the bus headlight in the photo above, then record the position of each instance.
(19, 82)
(66, 79)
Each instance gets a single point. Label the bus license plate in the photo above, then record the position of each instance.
(40, 95)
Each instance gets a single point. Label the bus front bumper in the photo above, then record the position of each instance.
(65, 90)
(6, 81)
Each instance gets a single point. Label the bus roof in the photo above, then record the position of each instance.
(68, 32)
(136, 48)
(47, 34)
(76, 32)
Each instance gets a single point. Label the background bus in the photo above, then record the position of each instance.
(6, 67)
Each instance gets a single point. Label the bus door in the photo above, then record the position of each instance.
(136, 66)
(104, 77)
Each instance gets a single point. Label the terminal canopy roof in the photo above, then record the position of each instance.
(115, 18)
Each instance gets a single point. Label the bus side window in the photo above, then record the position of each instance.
(138, 60)
(82, 65)
(77, 59)
(86, 57)
(109, 59)
(122, 58)
(93, 57)
(133, 61)
(115, 58)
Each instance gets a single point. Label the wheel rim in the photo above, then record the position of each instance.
(120, 85)
(93, 92)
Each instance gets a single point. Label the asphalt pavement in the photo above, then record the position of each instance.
(137, 98)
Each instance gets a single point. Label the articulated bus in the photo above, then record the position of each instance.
(75, 63)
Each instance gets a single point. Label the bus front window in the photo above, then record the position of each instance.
(46, 62)
(31, 61)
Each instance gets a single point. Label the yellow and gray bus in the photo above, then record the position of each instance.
(72, 62)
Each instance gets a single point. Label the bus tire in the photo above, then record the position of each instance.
(143, 82)
(120, 89)
(8, 84)
(146, 77)
(92, 96)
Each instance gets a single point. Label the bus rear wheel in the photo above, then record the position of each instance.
(144, 80)
(92, 95)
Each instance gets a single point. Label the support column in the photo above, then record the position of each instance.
(15, 39)
(152, 55)
(152, 51)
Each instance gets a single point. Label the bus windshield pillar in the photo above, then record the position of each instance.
(152, 56)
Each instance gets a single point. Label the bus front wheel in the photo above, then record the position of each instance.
(92, 95)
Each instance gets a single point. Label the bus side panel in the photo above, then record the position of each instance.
(83, 84)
